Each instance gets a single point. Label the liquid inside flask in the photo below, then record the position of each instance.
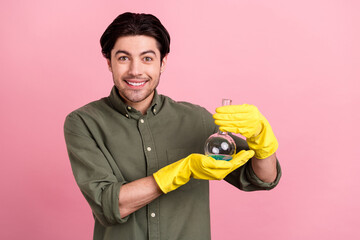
(220, 145)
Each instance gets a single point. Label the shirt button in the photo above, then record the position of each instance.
(129, 108)
(153, 215)
(154, 111)
(148, 148)
(127, 115)
(142, 120)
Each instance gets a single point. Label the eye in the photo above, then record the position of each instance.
(148, 59)
(123, 58)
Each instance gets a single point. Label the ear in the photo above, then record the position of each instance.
(163, 63)
(109, 64)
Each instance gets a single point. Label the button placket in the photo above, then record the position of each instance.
(152, 164)
(148, 145)
(154, 220)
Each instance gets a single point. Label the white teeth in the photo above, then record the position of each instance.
(136, 84)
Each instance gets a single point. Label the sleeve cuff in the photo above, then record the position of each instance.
(254, 180)
(110, 203)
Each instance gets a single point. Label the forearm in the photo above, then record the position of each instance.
(137, 194)
(265, 169)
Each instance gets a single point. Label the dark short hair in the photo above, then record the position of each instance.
(132, 24)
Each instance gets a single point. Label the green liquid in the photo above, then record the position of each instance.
(221, 157)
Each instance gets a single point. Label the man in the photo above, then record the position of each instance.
(136, 155)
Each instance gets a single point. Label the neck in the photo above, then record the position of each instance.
(141, 106)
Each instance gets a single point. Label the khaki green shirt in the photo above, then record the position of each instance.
(110, 144)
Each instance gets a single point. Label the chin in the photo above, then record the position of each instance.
(138, 98)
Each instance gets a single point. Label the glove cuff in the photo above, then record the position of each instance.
(265, 144)
(161, 185)
(172, 176)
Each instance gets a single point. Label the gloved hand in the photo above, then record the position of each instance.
(249, 122)
(198, 166)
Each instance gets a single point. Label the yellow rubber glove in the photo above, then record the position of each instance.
(249, 122)
(198, 166)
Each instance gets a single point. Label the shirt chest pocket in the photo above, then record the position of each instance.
(176, 154)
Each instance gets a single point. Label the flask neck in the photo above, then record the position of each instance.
(225, 102)
(222, 133)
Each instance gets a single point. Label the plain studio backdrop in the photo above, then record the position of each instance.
(297, 61)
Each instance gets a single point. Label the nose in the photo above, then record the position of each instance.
(135, 68)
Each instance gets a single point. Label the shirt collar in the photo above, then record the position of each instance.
(118, 103)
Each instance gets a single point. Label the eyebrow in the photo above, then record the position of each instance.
(127, 53)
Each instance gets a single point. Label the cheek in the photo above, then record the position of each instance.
(154, 71)
(118, 71)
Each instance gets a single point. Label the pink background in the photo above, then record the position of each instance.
(298, 61)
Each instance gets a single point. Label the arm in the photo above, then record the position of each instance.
(102, 183)
(111, 198)
(245, 177)
(265, 169)
(249, 122)
(137, 194)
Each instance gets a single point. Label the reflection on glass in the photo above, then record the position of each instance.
(220, 145)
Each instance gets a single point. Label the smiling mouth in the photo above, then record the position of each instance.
(135, 84)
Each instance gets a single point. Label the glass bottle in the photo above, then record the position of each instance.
(220, 145)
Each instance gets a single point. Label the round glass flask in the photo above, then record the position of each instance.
(220, 145)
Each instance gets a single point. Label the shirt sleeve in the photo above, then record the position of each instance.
(94, 172)
(244, 177)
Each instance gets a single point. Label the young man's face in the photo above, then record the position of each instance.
(136, 68)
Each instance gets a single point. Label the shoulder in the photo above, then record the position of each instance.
(189, 111)
(92, 110)
(184, 107)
